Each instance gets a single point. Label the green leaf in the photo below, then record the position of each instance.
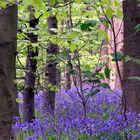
(107, 72)
(20, 36)
(117, 57)
(101, 76)
(78, 1)
(92, 93)
(104, 85)
(86, 26)
(17, 100)
(104, 21)
(134, 78)
(109, 13)
(127, 58)
(137, 61)
(87, 73)
(52, 2)
(37, 14)
(73, 47)
(137, 28)
(103, 35)
(91, 22)
(119, 12)
(3, 4)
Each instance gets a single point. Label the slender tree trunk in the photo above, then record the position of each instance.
(69, 24)
(8, 44)
(30, 77)
(68, 68)
(131, 48)
(52, 73)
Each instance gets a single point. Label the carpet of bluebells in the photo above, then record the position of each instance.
(103, 120)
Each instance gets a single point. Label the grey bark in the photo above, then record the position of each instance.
(8, 44)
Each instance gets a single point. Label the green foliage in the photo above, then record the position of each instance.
(137, 61)
(5, 3)
(87, 74)
(94, 92)
(18, 100)
(87, 25)
(134, 78)
(107, 72)
(83, 137)
(109, 12)
(137, 28)
(104, 85)
(104, 21)
(117, 56)
(127, 58)
(84, 36)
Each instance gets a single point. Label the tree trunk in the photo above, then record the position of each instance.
(118, 24)
(115, 82)
(131, 48)
(104, 55)
(8, 44)
(67, 75)
(30, 76)
(52, 73)
(68, 68)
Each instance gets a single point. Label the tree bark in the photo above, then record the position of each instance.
(132, 48)
(30, 76)
(52, 73)
(8, 44)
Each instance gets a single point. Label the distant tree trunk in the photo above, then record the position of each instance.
(114, 81)
(52, 73)
(132, 48)
(104, 52)
(68, 68)
(30, 76)
(8, 44)
(67, 75)
(105, 58)
(118, 24)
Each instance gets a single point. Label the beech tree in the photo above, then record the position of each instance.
(8, 44)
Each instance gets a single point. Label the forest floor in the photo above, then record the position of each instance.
(103, 118)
